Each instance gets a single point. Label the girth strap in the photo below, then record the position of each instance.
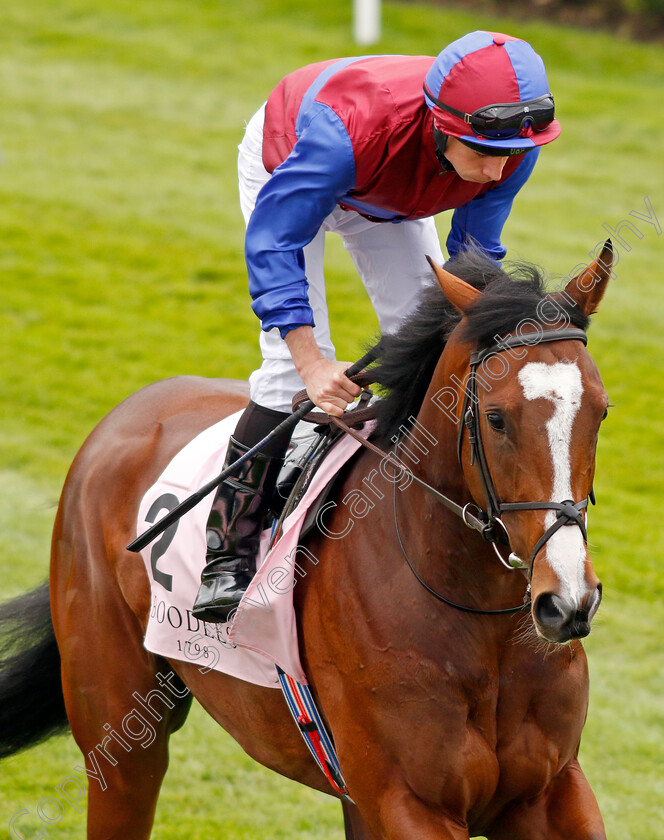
(303, 707)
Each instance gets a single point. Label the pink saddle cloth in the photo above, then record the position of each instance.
(263, 633)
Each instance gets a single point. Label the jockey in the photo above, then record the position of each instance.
(371, 148)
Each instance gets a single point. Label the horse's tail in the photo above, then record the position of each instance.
(32, 706)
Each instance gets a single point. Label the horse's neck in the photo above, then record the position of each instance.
(432, 437)
(459, 560)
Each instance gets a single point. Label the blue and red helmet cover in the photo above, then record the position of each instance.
(484, 68)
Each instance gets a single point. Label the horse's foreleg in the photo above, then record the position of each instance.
(355, 826)
(567, 811)
(410, 817)
(398, 814)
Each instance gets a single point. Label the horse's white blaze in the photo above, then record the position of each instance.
(560, 383)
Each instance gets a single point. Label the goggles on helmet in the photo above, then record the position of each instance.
(504, 120)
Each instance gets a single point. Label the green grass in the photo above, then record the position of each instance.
(121, 263)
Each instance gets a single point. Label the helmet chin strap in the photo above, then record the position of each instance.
(440, 142)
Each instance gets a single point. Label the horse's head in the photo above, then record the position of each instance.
(529, 406)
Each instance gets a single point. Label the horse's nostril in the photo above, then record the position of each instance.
(550, 610)
(558, 620)
(590, 604)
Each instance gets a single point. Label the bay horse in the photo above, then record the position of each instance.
(455, 709)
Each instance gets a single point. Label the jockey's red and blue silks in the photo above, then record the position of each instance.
(358, 133)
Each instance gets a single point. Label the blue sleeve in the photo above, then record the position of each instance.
(484, 217)
(289, 211)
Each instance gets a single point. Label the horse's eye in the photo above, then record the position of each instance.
(496, 421)
(606, 414)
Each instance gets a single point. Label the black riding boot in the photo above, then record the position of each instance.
(234, 528)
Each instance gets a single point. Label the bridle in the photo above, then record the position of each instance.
(488, 522)
(568, 511)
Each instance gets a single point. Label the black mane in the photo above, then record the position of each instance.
(408, 357)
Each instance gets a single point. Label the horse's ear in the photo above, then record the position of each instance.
(587, 288)
(457, 291)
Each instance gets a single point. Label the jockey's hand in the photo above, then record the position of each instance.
(327, 385)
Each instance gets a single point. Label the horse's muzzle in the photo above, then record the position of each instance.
(558, 620)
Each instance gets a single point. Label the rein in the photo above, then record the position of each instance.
(471, 521)
(507, 611)
(568, 512)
